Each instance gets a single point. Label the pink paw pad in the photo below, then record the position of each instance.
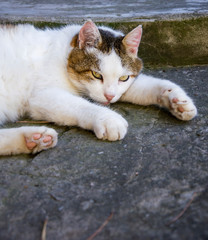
(37, 136)
(47, 139)
(181, 109)
(175, 100)
(30, 145)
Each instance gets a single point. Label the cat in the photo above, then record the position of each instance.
(69, 76)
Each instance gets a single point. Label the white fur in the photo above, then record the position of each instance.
(34, 80)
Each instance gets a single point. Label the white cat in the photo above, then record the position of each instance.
(48, 74)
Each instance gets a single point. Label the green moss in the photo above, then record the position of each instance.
(43, 25)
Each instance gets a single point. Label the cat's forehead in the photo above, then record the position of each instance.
(113, 48)
(110, 64)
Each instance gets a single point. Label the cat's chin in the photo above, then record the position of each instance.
(105, 103)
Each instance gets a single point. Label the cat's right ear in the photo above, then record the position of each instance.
(89, 35)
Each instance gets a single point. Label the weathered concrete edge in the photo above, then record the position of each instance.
(167, 41)
(80, 19)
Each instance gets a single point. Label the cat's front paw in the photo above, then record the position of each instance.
(179, 104)
(110, 126)
(39, 138)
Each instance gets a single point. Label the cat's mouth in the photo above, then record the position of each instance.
(108, 102)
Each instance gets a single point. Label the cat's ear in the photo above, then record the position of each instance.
(89, 35)
(132, 40)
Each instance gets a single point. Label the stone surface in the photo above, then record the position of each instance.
(142, 182)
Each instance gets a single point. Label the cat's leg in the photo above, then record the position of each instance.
(26, 140)
(63, 108)
(148, 90)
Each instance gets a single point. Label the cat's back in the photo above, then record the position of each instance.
(20, 41)
(18, 46)
(26, 44)
(14, 36)
(28, 54)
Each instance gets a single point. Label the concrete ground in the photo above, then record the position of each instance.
(151, 185)
(145, 180)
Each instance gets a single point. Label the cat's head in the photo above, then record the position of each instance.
(104, 63)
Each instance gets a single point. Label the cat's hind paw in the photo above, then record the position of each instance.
(40, 138)
(179, 104)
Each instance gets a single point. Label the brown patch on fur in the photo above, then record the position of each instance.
(134, 64)
(74, 42)
(80, 64)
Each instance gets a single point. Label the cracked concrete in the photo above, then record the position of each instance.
(145, 180)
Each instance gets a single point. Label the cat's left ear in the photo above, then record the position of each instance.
(132, 40)
(89, 35)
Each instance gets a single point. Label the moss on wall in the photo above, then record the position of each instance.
(172, 43)
(165, 42)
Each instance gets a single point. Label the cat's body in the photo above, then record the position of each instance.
(47, 74)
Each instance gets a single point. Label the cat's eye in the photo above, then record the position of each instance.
(97, 75)
(124, 78)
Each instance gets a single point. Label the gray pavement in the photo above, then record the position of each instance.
(138, 185)
(151, 185)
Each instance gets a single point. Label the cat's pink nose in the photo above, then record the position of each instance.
(109, 97)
